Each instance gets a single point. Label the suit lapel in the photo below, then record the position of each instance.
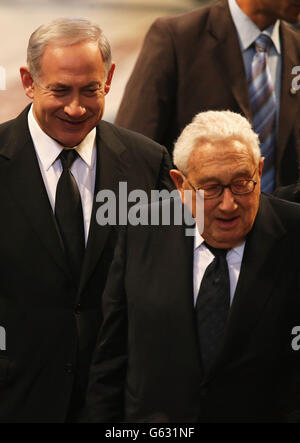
(228, 54)
(288, 101)
(261, 263)
(112, 168)
(23, 178)
(178, 292)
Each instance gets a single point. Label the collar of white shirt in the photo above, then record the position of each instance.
(248, 32)
(48, 149)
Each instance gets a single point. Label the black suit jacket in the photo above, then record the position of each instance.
(51, 325)
(147, 364)
(192, 63)
(291, 192)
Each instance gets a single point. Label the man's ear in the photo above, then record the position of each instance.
(109, 78)
(27, 82)
(260, 166)
(177, 178)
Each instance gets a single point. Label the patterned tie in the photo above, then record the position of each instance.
(212, 307)
(68, 213)
(263, 107)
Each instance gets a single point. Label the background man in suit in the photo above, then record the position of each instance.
(209, 336)
(54, 257)
(209, 59)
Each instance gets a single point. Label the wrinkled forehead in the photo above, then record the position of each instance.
(78, 57)
(219, 158)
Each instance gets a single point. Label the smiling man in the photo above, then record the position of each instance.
(68, 90)
(208, 339)
(54, 257)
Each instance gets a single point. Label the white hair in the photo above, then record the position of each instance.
(214, 127)
(65, 32)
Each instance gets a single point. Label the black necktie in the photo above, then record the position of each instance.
(212, 307)
(68, 213)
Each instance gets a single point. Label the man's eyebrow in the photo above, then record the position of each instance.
(62, 85)
(58, 85)
(240, 173)
(203, 180)
(91, 84)
(243, 173)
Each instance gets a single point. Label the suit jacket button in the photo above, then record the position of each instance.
(78, 309)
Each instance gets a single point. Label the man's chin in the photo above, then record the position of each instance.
(69, 142)
(224, 241)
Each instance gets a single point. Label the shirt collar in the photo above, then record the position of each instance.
(87, 149)
(248, 32)
(199, 241)
(48, 149)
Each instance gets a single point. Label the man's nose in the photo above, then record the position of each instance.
(74, 108)
(228, 202)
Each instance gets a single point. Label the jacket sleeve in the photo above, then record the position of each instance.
(105, 395)
(149, 98)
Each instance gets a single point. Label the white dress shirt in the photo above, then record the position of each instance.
(83, 168)
(203, 257)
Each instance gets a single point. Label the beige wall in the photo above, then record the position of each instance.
(125, 23)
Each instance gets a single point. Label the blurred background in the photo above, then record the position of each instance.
(125, 23)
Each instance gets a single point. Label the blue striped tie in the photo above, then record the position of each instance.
(263, 107)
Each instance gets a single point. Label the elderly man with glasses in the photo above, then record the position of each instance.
(204, 328)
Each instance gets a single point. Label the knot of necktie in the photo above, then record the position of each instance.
(217, 252)
(263, 43)
(67, 158)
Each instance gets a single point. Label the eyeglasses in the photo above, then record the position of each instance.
(237, 187)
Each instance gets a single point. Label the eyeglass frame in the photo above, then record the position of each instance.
(222, 187)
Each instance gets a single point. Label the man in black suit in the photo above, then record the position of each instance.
(200, 329)
(201, 60)
(54, 257)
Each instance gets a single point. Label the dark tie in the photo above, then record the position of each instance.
(68, 213)
(263, 108)
(212, 307)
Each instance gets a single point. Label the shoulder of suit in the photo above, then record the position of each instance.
(287, 211)
(14, 130)
(131, 139)
(187, 22)
(8, 131)
(171, 215)
(6, 126)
